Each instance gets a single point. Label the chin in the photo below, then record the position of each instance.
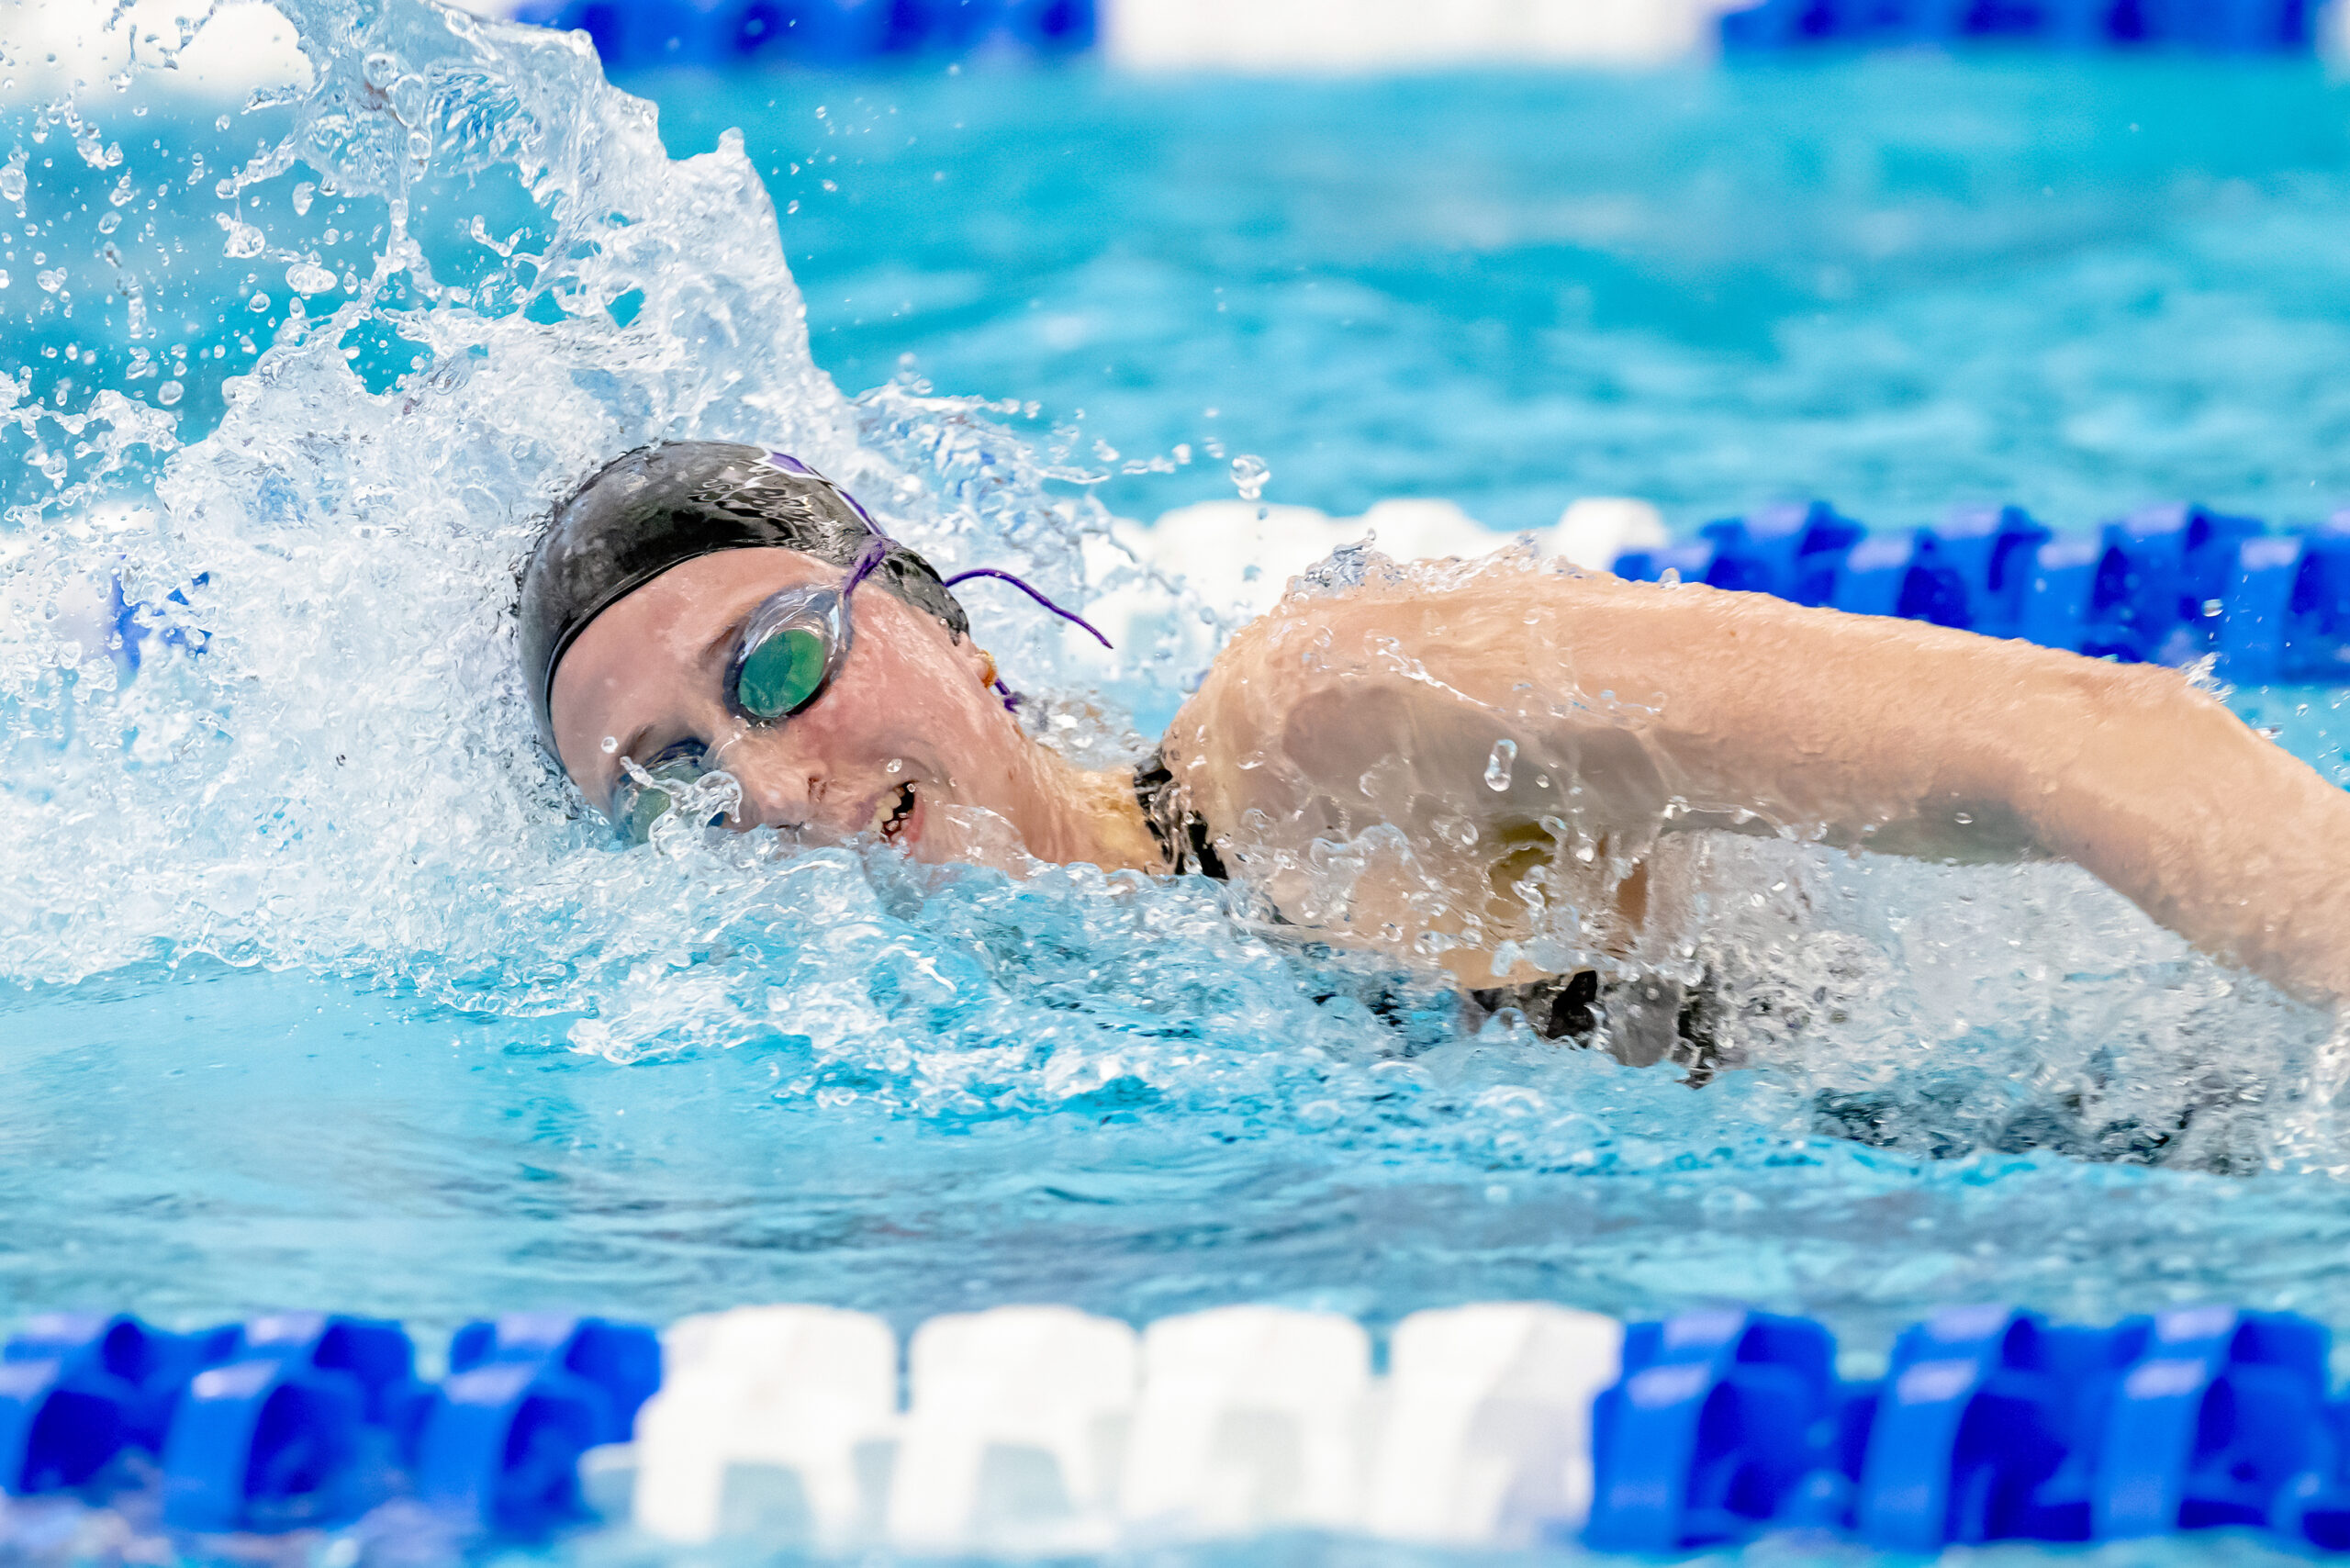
(969, 834)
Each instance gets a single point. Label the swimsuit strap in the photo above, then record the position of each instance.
(1182, 833)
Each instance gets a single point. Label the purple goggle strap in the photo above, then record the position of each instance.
(878, 550)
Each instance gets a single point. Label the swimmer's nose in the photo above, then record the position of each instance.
(788, 797)
(783, 785)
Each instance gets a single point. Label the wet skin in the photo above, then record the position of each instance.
(909, 741)
(1638, 710)
(1635, 710)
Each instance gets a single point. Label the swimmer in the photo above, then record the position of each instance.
(1506, 741)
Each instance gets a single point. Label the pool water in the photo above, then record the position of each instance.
(1899, 282)
(321, 992)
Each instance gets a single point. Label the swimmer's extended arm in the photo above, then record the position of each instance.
(1643, 706)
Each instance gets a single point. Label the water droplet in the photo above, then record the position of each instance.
(611, 745)
(243, 241)
(1498, 765)
(1248, 476)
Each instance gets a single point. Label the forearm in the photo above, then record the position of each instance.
(2127, 770)
(2210, 829)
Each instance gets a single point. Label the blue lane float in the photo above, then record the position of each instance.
(825, 34)
(308, 1420)
(1725, 1425)
(78, 1389)
(526, 1397)
(2167, 583)
(303, 1422)
(2215, 26)
(1711, 1429)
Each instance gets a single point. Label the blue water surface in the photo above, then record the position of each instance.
(1900, 283)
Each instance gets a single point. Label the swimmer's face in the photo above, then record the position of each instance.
(908, 725)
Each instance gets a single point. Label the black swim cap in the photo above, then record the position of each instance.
(662, 505)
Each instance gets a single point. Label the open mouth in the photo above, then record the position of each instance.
(900, 812)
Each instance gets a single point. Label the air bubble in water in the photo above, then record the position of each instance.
(611, 745)
(1498, 765)
(168, 393)
(1248, 476)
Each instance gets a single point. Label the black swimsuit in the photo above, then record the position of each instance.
(1182, 832)
(1558, 1007)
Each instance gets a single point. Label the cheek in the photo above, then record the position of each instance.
(886, 703)
(925, 685)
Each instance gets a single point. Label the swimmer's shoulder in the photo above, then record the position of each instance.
(1319, 639)
(1446, 611)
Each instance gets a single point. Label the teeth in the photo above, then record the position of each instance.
(891, 815)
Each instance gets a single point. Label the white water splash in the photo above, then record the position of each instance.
(524, 285)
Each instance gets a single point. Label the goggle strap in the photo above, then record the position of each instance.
(876, 552)
(1068, 615)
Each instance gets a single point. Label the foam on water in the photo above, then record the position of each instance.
(450, 271)
(336, 781)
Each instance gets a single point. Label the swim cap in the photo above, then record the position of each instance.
(662, 505)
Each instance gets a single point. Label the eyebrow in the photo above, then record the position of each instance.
(726, 634)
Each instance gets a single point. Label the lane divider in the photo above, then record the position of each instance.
(2167, 583)
(2211, 26)
(1045, 1430)
(834, 34)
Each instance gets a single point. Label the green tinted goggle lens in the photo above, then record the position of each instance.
(781, 675)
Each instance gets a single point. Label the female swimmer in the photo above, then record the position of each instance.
(1514, 742)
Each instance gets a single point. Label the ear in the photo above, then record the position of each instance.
(986, 668)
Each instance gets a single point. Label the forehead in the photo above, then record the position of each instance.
(641, 654)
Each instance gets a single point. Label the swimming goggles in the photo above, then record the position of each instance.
(785, 658)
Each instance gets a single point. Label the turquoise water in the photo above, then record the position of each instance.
(320, 990)
(1898, 281)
